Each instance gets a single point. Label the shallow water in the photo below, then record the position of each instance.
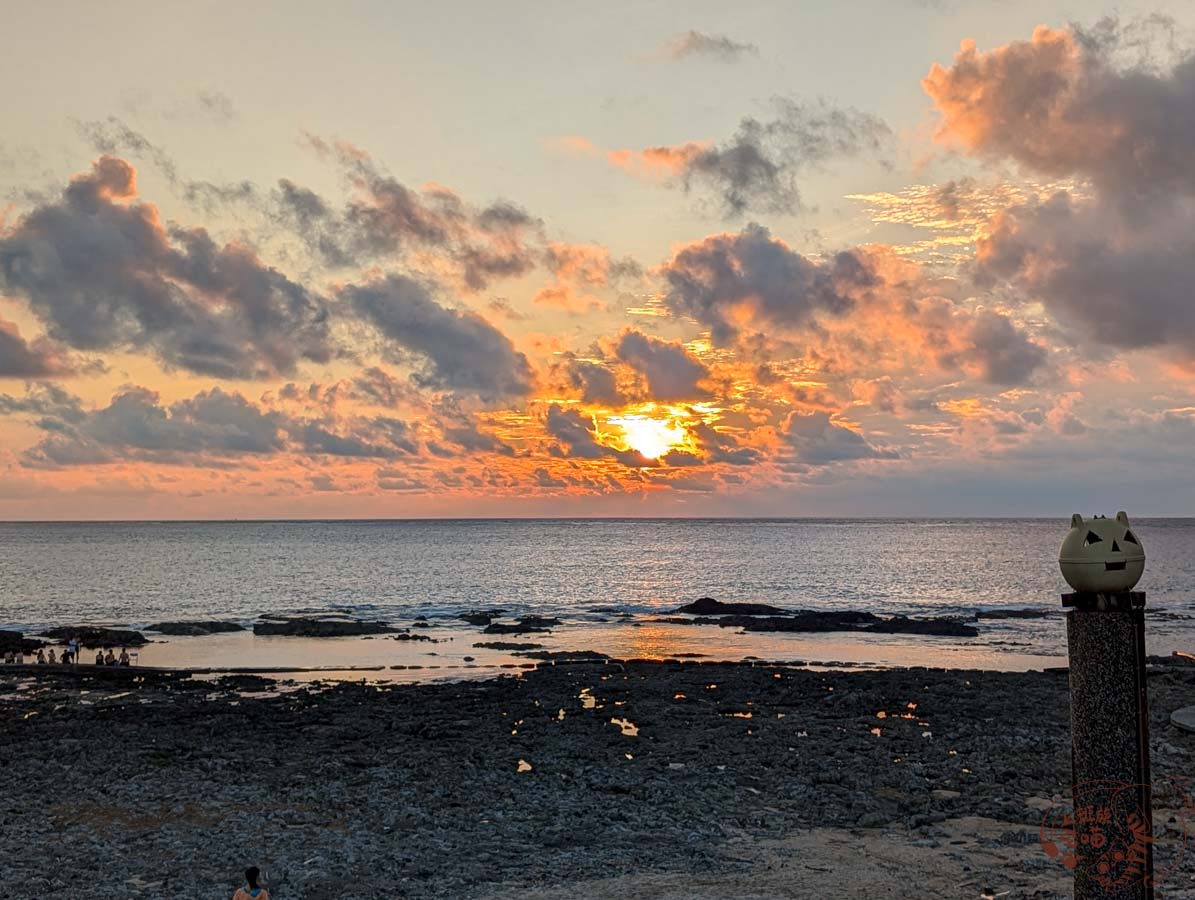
(580, 570)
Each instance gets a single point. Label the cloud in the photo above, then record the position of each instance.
(862, 304)
(713, 447)
(102, 272)
(757, 169)
(579, 268)
(1123, 284)
(1004, 354)
(1057, 105)
(216, 105)
(814, 440)
(712, 46)
(572, 429)
(387, 218)
(39, 358)
(463, 353)
(213, 424)
(1113, 264)
(671, 372)
(595, 381)
(728, 279)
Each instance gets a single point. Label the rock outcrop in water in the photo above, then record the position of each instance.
(194, 629)
(525, 625)
(708, 606)
(762, 617)
(302, 626)
(16, 642)
(91, 636)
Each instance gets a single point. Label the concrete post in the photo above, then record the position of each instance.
(1113, 816)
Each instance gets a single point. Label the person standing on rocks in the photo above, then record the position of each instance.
(252, 891)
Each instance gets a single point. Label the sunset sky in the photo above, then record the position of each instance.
(523, 259)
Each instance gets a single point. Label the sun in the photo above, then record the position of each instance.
(651, 438)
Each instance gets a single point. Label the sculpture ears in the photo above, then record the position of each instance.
(1076, 521)
(1122, 517)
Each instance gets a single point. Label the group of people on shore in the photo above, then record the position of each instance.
(70, 656)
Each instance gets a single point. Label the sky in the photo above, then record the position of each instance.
(297, 260)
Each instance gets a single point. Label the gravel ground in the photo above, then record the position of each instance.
(576, 779)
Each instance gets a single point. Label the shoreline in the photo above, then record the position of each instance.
(459, 650)
(640, 774)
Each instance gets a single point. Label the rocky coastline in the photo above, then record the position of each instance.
(144, 783)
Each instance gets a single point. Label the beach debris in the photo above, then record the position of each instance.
(629, 728)
(523, 766)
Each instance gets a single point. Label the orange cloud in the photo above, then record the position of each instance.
(658, 162)
(571, 143)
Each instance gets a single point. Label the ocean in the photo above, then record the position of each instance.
(581, 570)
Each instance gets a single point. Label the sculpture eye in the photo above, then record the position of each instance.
(1092, 538)
(1130, 538)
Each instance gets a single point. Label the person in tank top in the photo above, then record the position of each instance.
(252, 891)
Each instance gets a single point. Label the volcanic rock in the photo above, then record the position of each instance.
(708, 606)
(91, 636)
(304, 627)
(194, 629)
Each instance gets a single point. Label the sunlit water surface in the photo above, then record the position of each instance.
(581, 570)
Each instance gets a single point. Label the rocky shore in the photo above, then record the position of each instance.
(135, 783)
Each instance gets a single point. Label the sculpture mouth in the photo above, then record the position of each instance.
(1114, 566)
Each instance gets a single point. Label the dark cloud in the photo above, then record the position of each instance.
(712, 46)
(1004, 354)
(388, 218)
(816, 441)
(1122, 284)
(595, 382)
(377, 386)
(1059, 105)
(375, 438)
(39, 358)
(573, 430)
(213, 424)
(463, 352)
(757, 169)
(671, 373)
(721, 447)
(717, 280)
(544, 478)
(47, 402)
(217, 105)
(113, 137)
(103, 273)
(464, 433)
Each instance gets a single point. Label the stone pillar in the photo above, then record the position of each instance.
(1113, 820)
